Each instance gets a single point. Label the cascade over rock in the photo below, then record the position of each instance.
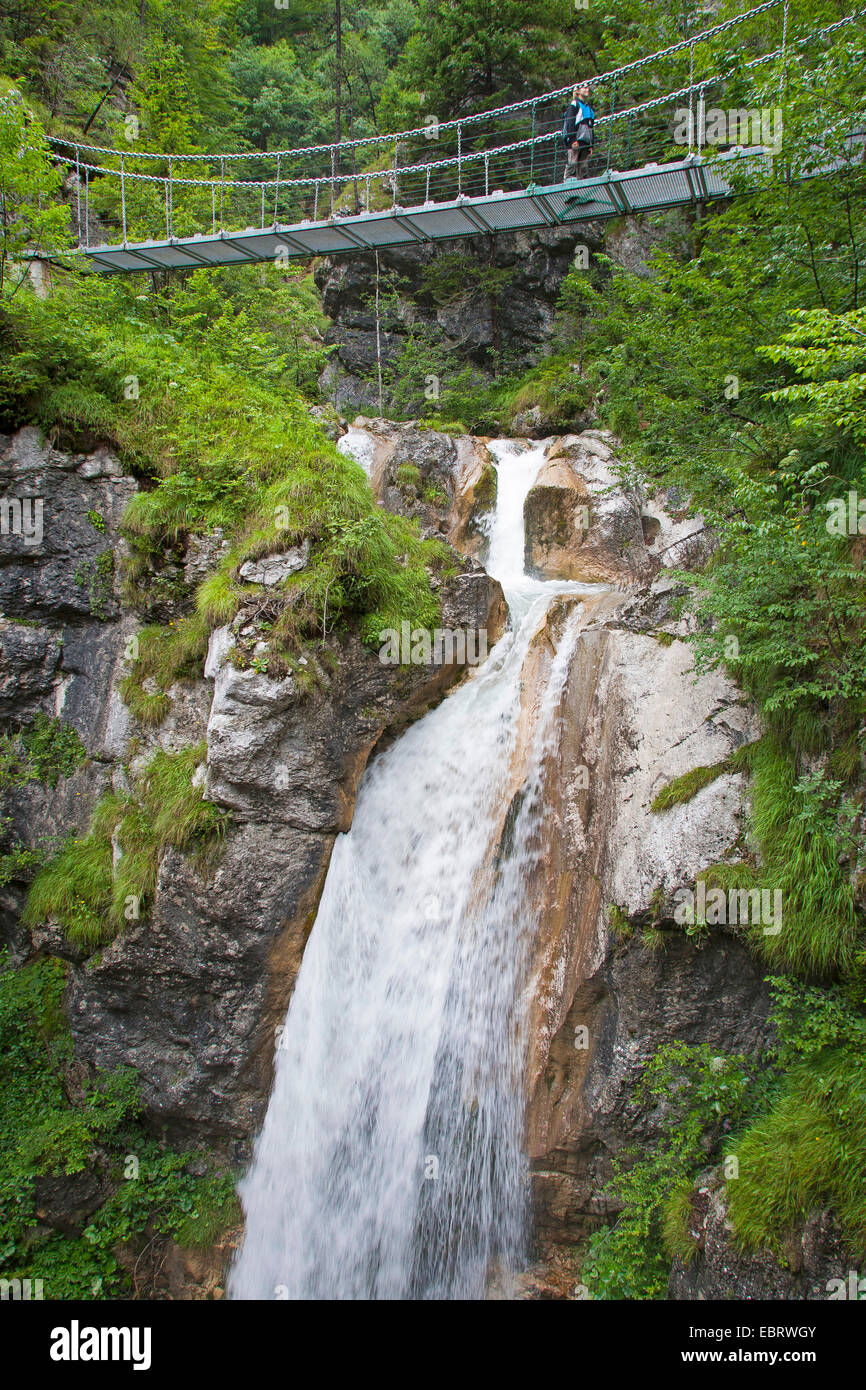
(599, 709)
(594, 713)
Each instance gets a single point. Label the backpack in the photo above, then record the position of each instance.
(575, 129)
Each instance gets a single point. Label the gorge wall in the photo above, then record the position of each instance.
(191, 995)
(500, 297)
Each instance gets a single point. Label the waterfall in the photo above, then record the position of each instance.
(391, 1162)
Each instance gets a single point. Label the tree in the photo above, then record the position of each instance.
(30, 219)
(470, 55)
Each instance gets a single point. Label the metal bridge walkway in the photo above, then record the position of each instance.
(612, 194)
(494, 171)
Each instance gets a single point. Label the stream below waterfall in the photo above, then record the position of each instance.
(391, 1162)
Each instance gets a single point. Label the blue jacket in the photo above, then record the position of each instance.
(578, 113)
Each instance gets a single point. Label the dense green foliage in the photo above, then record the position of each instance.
(220, 432)
(55, 1121)
(736, 372)
(786, 1130)
(45, 752)
(703, 1097)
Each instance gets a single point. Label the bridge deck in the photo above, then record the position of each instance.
(651, 188)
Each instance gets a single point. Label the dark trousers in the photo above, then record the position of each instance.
(578, 159)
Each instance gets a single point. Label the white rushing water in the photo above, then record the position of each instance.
(391, 1161)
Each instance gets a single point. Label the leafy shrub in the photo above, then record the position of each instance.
(701, 1096)
(44, 1132)
(44, 752)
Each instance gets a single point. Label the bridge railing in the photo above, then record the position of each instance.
(154, 196)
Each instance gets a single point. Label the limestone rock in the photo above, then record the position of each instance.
(273, 569)
(556, 522)
(456, 488)
(202, 555)
(61, 511)
(632, 718)
(191, 995)
(65, 1202)
(29, 659)
(470, 325)
(277, 754)
(564, 540)
(527, 423)
(816, 1257)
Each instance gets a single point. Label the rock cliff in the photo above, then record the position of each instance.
(191, 994)
(465, 317)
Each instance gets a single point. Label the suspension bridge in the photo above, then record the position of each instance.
(495, 171)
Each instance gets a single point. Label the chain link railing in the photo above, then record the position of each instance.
(512, 148)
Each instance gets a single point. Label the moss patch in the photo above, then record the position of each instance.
(684, 788)
(82, 887)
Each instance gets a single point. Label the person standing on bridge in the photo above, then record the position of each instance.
(577, 132)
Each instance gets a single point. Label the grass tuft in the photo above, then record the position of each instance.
(806, 1152)
(91, 895)
(684, 788)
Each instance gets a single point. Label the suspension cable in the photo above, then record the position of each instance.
(426, 167)
(596, 80)
(378, 336)
(78, 197)
(123, 196)
(691, 97)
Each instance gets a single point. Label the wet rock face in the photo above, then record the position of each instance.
(581, 523)
(192, 996)
(29, 660)
(634, 1002)
(64, 1203)
(556, 518)
(632, 719)
(446, 483)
